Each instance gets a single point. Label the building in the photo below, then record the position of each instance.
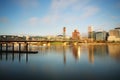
(91, 33)
(11, 37)
(76, 35)
(114, 35)
(101, 36)
(90, 30)
(64, 32)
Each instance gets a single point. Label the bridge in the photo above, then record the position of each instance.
(26, 44)
(74, 42)
(40, 41)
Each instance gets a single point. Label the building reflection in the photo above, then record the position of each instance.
(114, 51)
(64, 54)
(97, 50)
(100, 50)
(13, 57)
(76, 52)
(91, 53)
(58, 49)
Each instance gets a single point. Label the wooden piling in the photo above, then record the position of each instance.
(6, 46)
(26, 46)
(13, 51)
(19, 46)
(13, 47)
(0, 46)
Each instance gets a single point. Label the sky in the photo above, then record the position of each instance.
(48, 17)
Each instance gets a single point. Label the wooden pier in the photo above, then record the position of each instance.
(26, 50)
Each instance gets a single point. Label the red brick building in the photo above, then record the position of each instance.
(76, 35)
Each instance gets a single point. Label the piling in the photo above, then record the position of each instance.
(19, 46)
(0, 46)
(6, 46)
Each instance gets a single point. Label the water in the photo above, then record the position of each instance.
(100, 62)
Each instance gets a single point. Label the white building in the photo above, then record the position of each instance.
(114, 35)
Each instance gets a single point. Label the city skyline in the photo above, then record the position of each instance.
(48, 17)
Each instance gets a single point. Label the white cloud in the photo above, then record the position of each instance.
(57, 6)
(89, 11)
(56, 15)
(62, 4)
(78, 9)
(26, 4)
(33, 21)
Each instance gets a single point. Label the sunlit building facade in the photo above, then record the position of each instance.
(114, 35)
(91, 33)
(90, 30)
(76, 35)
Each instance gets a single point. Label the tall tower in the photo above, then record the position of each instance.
(64, 32)
(90, 30)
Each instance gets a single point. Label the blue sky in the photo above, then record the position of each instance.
(48, 17)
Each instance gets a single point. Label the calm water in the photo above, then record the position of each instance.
(63, 63)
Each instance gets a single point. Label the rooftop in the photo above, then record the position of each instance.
(117, 28)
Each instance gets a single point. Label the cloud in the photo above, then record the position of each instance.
(61, 4)
(33, 21)
(58, 6)
(76, 8)
(66, 12)
(28, 4)
(4, 20)
(89, 11)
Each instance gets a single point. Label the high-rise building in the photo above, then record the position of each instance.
(101, 36)
(76, 35)
(114, 35)
(64, 32)
(91, 33)
(90, 29)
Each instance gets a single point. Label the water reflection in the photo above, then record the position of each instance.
(76, 52)
(93, 51)
(91, 54)
(93, 62)
(64, 54)
(97, 51)
(13, 56)
(114, 51)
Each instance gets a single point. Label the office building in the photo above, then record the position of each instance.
(91, 33)
(101, 36)
(114, 35)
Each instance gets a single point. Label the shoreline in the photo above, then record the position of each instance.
(107, 43)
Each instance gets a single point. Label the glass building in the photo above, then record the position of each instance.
(101, 36)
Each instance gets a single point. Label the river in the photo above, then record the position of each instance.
(85, 62)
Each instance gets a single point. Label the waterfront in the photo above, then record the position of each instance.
(91, 62)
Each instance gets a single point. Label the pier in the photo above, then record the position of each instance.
(8, 44)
